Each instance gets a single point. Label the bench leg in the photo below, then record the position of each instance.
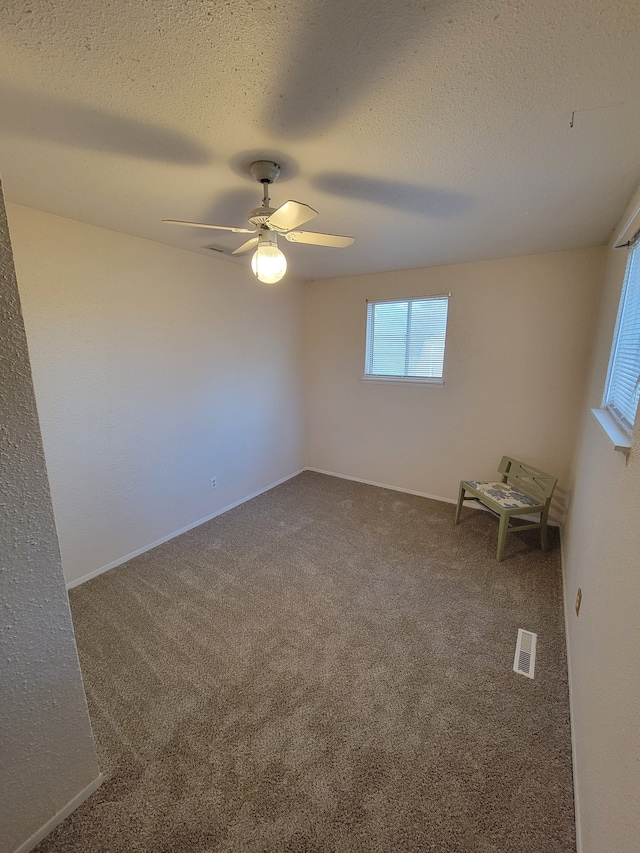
(460, 499)
(502, 534)
(544, 539)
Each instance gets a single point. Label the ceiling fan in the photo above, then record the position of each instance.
(269, 263)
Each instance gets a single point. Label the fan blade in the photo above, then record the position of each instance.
(253, 241)
(316, 239)
(290, 215)
(215, 227)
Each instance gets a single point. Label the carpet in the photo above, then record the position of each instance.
(327, 667)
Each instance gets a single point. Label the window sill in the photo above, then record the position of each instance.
(618, 437)
(407, 380)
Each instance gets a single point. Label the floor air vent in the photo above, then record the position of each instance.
(524, 661)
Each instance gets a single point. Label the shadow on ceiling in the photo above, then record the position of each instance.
(341, 51)
(28, 114)
(425, 201)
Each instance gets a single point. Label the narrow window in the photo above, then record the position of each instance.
(406, 338)
(623, 379)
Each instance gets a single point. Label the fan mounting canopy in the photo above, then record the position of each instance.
(265, 171)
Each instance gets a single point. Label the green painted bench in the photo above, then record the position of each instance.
(523, 490)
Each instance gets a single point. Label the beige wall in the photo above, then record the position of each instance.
(155, 369)
(515, 366)
(47, 756)
(602, 556)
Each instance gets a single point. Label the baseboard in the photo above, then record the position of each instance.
(468, 503)
(568, 608)
(94, 574)
(64, 812)
(384, 486)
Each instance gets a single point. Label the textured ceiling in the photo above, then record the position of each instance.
(434, 132)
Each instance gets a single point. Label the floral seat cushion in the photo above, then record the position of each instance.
(504, 494)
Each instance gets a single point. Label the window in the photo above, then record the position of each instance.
(406, 338)
(623, 379)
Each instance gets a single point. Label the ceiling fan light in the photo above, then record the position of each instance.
(268, 263)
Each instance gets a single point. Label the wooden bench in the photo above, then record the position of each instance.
(523, 490)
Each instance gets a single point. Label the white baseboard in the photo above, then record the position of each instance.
(470, 504)
(384, 486)
(568, 612)
(64, 812)
(145, 548)
(93, 574)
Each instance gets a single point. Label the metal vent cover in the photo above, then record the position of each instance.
(222, 250)
(524, 661)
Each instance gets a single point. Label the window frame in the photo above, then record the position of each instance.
(625, 321)
(369, 340)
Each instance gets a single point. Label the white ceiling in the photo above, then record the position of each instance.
(434, 132)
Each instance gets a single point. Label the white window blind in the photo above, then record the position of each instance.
(623, 379)
(406, 338)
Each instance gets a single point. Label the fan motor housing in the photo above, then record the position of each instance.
(259, 215)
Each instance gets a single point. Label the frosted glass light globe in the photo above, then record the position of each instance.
(268, 263)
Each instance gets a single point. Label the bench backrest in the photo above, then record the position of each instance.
(526, 478)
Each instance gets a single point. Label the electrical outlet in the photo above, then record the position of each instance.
(213, 482)
(578, 602)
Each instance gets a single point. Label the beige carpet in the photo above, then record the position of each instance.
(326, 668)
